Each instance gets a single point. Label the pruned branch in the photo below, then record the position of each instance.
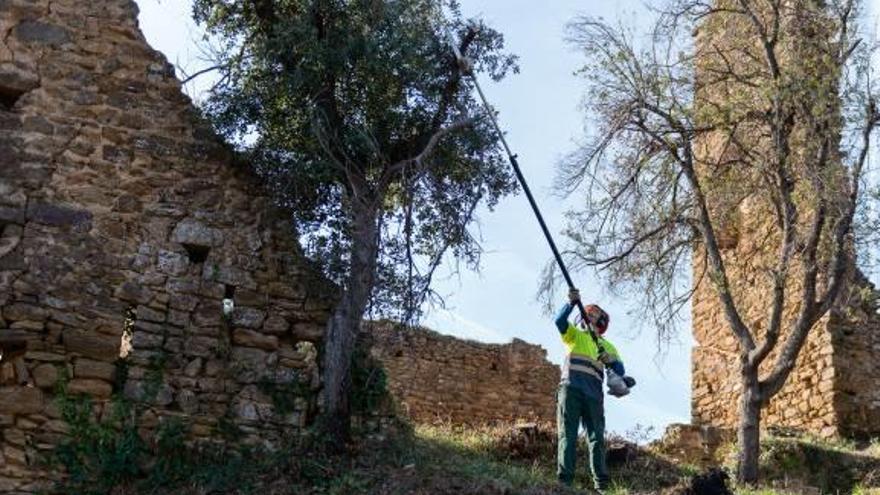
(418, 162)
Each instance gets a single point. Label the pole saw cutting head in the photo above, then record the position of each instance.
(465, 65)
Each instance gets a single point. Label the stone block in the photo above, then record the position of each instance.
(183, 302)
(45, 375)
(276, 325)
(21, 400)
(60, 216)
(178, 318)
(208, 314)
(213, 367)
(191, 231)
(249, 338)
(187, 401)
(9, 214)
(145, 313)
(200, 346)
(193, 368)
(96, 388)
(144, 340)
(172, 263)
(134, 292)
(248, 317)
(311, 332)
(87, 368)
(92, 345)
(23, 311)
(41, 33)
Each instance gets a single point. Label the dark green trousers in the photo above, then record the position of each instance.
(574, 409)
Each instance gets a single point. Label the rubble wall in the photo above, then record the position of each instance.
(438, 378)
(827, 392)
(124, 226)
(856, 360)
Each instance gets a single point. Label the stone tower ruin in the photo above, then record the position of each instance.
(833, 388)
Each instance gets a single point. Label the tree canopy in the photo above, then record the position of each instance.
(356, 114)
(328, 96)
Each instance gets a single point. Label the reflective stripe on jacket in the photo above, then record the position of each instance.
(582, 368)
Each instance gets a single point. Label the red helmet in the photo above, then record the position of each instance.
(598, 317)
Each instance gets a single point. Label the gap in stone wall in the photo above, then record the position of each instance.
(9, 97)
(10, 94)
(197, 254)
(229, 300)
(127, 331)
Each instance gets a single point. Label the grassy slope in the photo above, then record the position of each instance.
(444, 460)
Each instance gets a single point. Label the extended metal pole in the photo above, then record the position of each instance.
(467, 69)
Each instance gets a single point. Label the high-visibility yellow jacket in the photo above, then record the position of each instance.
(582, 368)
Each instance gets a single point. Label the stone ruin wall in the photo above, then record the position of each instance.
(126, 226)
(806, 400)
(438, 378)
(122, 217)
(856, 361)
(831, 390)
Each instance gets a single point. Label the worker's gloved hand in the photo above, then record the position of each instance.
(629, 381)
(574, 296)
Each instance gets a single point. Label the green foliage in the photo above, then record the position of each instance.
(154, 376)
(332, 101)
(226, 429)
(284, 396)
(105, 452)
(100, 452)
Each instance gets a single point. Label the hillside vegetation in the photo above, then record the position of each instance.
(442, 459)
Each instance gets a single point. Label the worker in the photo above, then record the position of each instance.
(580, 396)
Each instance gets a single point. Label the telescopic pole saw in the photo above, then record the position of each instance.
(467, 69)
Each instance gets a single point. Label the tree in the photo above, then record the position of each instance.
(356, 114)
(767, 113)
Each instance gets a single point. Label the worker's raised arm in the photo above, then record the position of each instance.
(565, 311)
(562, 317)
(614, 360)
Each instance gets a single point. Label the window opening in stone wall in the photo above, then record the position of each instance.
(13, 346)
(196, 253)
(127, 331)
(228, 300)
(7, 100)
(9, 97)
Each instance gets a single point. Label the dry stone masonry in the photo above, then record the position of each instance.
(438, 378)
(139, 260)
(833, 388)
(125, 227)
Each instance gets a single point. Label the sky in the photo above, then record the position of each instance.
(541, 114)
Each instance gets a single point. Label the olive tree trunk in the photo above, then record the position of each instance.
(344, 324)
(749, 430)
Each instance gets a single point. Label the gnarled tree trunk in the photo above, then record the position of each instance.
(749, 431)
(343, 326)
